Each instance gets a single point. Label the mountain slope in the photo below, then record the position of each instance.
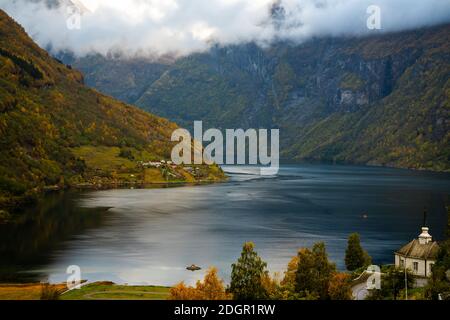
(380, 100)
(54, 131)
(125, 80)
(377, 100)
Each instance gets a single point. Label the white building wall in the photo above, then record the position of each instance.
(410, 265)
(397, 261)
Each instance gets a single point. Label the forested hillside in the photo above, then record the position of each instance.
(379, 100)
(56, 132)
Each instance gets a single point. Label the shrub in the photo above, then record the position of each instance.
(49, 292)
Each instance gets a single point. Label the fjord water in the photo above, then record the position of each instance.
(151, 235)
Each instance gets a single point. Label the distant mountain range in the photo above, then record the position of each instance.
(378, 100)
(56, 132)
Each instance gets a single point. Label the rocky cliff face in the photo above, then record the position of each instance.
(379, 100)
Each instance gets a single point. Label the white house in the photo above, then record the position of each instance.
(419, 255)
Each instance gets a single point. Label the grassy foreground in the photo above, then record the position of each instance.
(30, 291)
(92, 291)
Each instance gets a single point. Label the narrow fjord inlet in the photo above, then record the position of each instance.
(149, 235)
(225, 155)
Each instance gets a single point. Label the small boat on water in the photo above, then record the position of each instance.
(193, 268)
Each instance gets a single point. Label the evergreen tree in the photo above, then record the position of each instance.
(392, 284)
(355, 256)
(439, 283)
(314, 272)
(394, 281)
(247, 275)
(306, 275)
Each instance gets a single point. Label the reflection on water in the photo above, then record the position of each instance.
(150, 236)
(29, 241)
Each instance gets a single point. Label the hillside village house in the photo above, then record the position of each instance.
(419, 255)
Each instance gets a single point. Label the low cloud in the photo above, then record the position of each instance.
(157, 27)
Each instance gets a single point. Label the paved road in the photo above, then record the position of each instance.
(359, 291)
(91, 295)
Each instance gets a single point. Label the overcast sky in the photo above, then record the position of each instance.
(183, 26)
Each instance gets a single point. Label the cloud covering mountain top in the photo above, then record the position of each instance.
(157, 27)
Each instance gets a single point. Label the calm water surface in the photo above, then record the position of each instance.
(151, 235)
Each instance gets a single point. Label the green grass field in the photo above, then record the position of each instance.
(104, 158)
(108, 291)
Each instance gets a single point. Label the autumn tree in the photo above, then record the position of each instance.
(183, 292)
(355, 256)
(340, 287)
(314, 272)
(288, 283)
(211, 288)
(247, 275)
(289, 280)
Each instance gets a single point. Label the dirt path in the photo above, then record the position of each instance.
(91, 295)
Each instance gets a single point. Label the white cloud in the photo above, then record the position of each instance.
(184, 26)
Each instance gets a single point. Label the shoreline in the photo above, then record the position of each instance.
(15, 204)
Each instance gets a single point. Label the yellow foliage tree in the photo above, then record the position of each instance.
(340, 287)
(290, 274)
(271, 285)
(183, 292)
(211, 288)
